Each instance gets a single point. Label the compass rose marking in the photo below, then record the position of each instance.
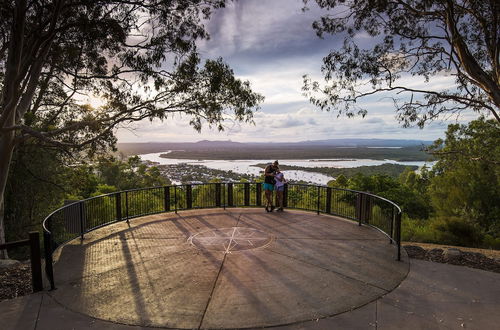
(231, 239)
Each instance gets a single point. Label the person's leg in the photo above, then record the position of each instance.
(266, 194)
(280, 199)
(271, 198)
(268, 199)
(271, 206)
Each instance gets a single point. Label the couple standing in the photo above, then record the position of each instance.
(274, 180)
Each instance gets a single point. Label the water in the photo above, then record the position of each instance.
(245, 166)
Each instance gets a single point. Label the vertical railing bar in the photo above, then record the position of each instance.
(126, 206)
(47, 246)
(118, 202)
(81, 218)
(328, 205)
(175, 198)
(398, 234)
(318, 203)
(391, 233)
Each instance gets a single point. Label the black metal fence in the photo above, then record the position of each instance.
(78, 218)
(33, 242)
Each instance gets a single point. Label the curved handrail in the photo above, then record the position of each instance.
(79, 217)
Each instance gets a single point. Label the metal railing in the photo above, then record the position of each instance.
(33, 242)
(76, 219)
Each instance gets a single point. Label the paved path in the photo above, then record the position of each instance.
(433, 296)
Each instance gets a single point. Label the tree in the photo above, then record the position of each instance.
(136, 59)
(340, 182)
(37, 184)
(129, 175)
(411, 38)
(466, 182)
(411, 202)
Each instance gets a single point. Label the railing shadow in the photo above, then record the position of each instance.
(81, 217)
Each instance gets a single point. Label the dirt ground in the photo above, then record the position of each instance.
(474, 258)
(15, 281)
(493, 254)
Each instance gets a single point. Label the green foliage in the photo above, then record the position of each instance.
(466, 180)
(130, 174)
(463, 188)
(103, 189)
(109, 51)
(37, 186)
(418, 38)
(392, 170)
(491, 242)
(40, 182)
(416, 230)
(340, 182)
(409, 200)
(457, 231)
(445, 230)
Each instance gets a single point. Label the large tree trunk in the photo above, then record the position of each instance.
(6, 150)
(10, 96)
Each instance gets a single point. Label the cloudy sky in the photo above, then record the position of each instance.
(273, 46)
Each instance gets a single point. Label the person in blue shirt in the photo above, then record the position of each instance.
(269, 181)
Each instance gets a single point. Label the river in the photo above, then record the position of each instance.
(245, 166)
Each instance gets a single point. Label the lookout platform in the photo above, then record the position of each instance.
(233, 268)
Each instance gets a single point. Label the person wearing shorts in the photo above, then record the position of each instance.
(269, 174)
(279, 186)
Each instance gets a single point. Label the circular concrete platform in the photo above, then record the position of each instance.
(234, 268)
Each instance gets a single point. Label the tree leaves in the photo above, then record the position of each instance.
(137, 59)
(410, 38)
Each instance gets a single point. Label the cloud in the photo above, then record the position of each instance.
(272, 45)
(252, 28)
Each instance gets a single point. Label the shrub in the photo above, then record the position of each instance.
(457, 231)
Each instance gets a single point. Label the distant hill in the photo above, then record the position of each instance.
(367, 142)
(227, 143)
(151, 147)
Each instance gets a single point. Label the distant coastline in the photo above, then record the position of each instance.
(336, 149)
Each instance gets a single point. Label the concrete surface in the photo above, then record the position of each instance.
(149, 274)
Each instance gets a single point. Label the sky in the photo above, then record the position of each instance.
(273, 46)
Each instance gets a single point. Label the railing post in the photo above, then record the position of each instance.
(189, 197)
(224, 195)
(247, 193)
(217, 194)
(118, 201)
(398, 234)
(36, 265)
(80, 206)
(166, 198)
(285, 195)
(359, 207)
(391, 232)
(258, 194)
(47, 246)
(317, 205)
(230, 194)
(126, 205)
(175, 198)
(328, 205)
(367, 209)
